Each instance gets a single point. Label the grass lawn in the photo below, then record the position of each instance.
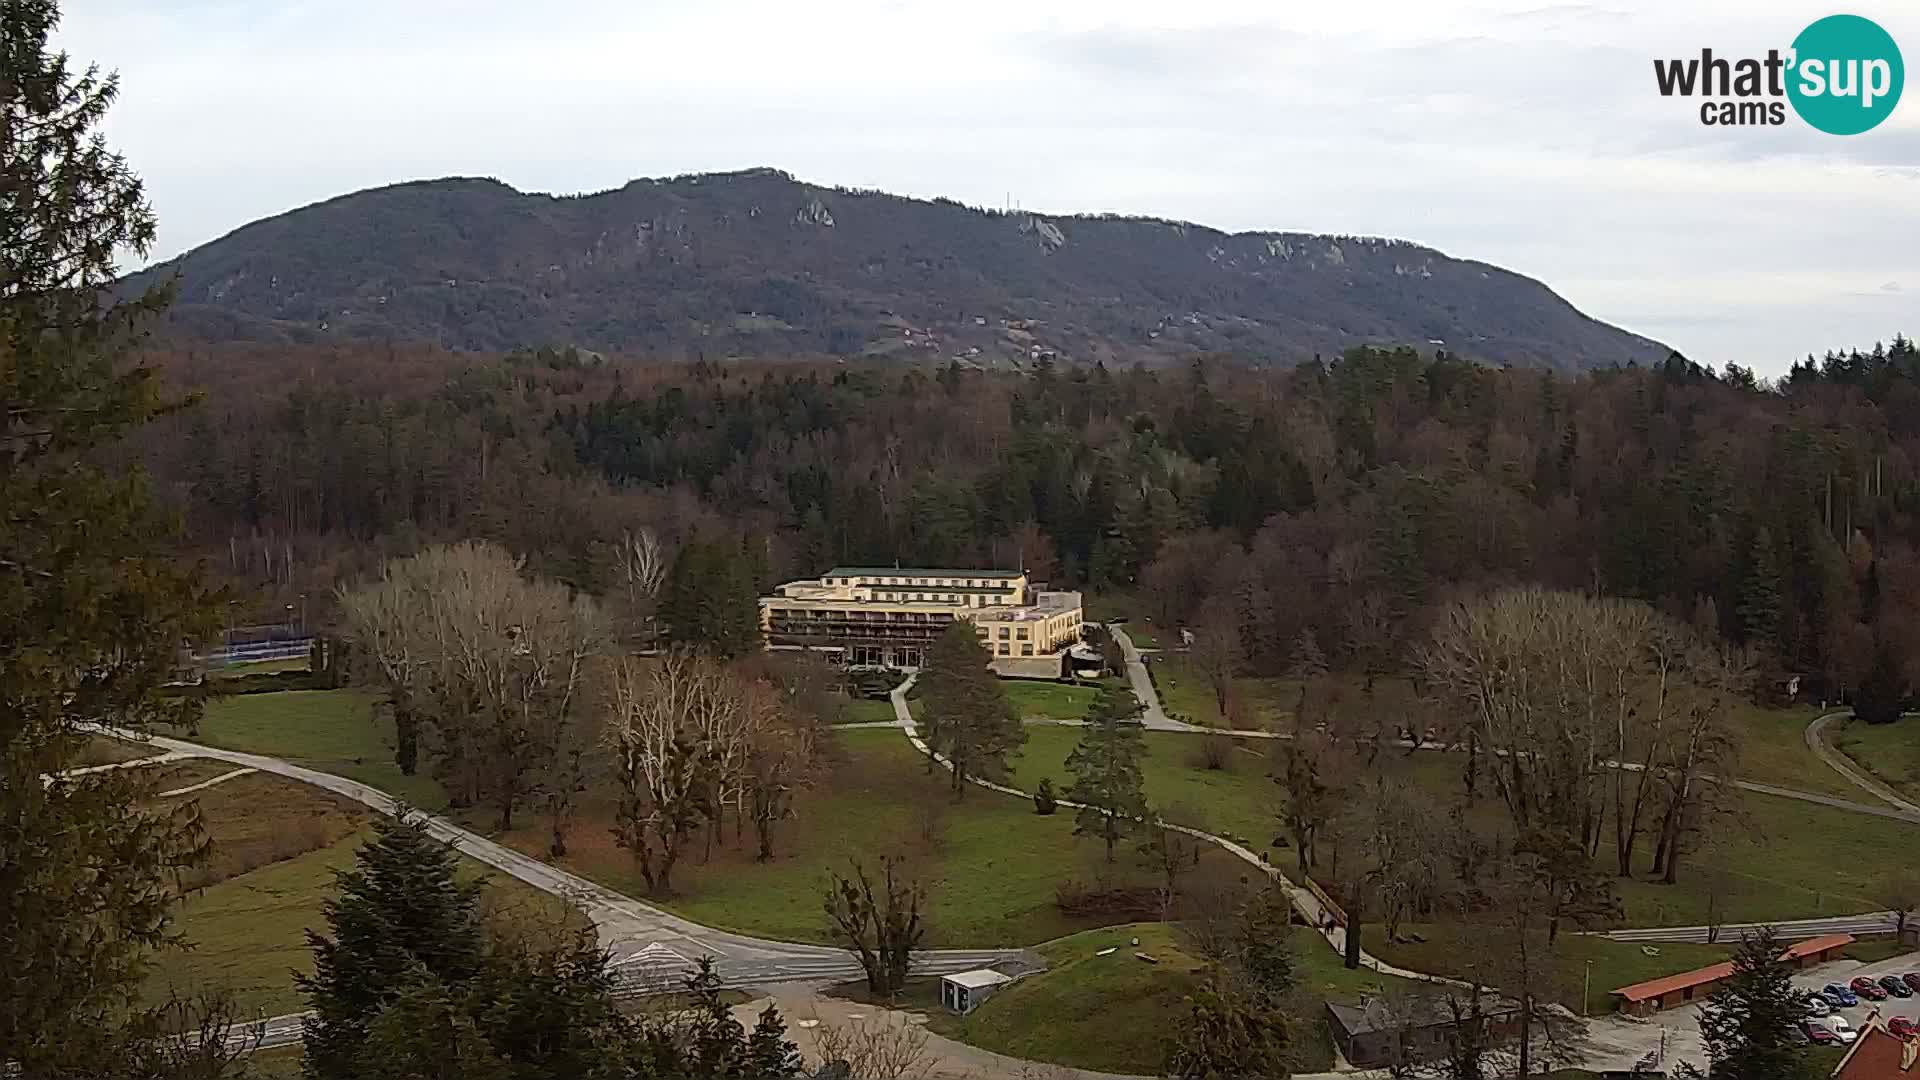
(1108, 606)
(1773, 750)
(279, 1063)
(1786, 859)
(260, 667)
(1237, 799)
(1873, 949)
(868, 710)
(338, 731)
(107, 750)
(990, 863)
(1888, 751)
(1113, 1013)
(247, 934)
(1615, 963)
(1048, 700)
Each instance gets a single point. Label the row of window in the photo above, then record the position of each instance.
(1003, 648)
(938, 598)
(974, 583)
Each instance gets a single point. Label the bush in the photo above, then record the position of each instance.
(1078, 899)
(1214, 752)
(1044, 800)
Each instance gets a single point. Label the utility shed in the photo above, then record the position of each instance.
(964, 992)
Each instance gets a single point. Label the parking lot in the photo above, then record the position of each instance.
(1619, 1042)
(1844, 972)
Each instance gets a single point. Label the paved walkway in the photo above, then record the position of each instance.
(627, 927)
(1154, 718)
(205, 784)
(1304, 902)
(1845, 766)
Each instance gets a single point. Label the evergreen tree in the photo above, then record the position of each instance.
(717, 1044)
(1883, 693)
(1227, 1036)
(1265, 958)
(1759, 606)
(709, 601)
(968, 719)
(1745, 1022)
(1106, 769)
(769, 1053)
(1308, 661)
(402, 914)
(94, 610)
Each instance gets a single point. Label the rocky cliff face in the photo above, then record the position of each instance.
(757, 263)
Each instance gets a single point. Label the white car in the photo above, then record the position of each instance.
(1839, 1026)
(1817, 1005)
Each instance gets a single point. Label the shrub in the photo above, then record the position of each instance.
(1078, 899)
(1214, 752)
(1044, 800)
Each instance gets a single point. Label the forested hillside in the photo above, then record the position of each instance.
(1342, 500)
(757, 264)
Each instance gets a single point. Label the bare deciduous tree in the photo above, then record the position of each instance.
(881, 928)
(875, 1048)
(651, 721)
(1217, 653)
(493, 659)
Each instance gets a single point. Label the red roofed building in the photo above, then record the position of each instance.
(1880, 1055)
(1653, 995)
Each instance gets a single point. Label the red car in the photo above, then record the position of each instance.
(1912, 978)
(1819, 1035)
(1902, 1027)
(1868, 989)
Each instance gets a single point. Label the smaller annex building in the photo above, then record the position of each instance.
(1377, 1034)
(963, 992)
(1642, 999)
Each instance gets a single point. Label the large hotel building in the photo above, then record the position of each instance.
(886, 617)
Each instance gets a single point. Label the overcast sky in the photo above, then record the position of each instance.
(1520, 132)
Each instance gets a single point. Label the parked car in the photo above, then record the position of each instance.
(1839, 1026)
(1839, 996)
(1912, 979)
(1903, 1027)
(1818, 1035)
(1797, 1035)
(1818, 1006)
(1867, 988)
(1893, 984)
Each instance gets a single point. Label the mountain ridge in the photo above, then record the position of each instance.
(757, 263)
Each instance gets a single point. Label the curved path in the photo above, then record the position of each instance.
(1303, 901)
(649, 945)
(1156, 719)
(1845, 766)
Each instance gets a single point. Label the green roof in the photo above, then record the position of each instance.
(898, 571)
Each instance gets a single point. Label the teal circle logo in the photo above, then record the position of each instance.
(1846, 75)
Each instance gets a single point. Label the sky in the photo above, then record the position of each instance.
(1524, 133)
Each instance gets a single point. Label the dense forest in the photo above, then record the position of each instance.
(1341, 499)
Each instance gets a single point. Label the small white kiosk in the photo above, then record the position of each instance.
(964, 992)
